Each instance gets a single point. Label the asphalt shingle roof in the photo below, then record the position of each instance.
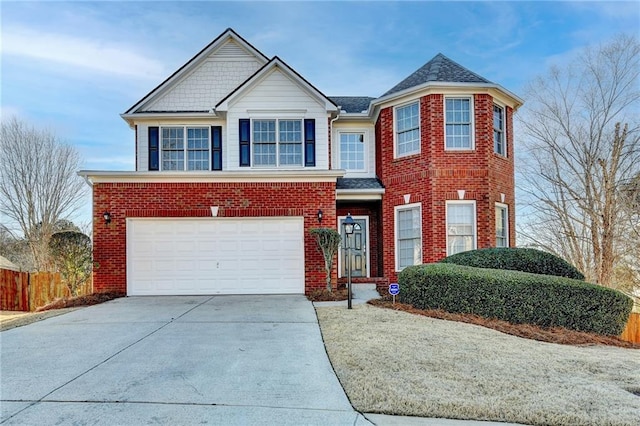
(440, 68)
(352, 104)
(358, 183)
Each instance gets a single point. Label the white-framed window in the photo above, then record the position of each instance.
(461, 226)
(502, 225)
(277, 142)
(408, 228)
(499, 135)
(185, 148)
(352, 151)
(458, 123)
(407, 131)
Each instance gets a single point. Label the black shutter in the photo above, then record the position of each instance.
(309, 142)
(216, 147)
(245, 142)
(154, 144)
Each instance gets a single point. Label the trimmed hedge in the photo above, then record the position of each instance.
(517, 259)
(516, 297)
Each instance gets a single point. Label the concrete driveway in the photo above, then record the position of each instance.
(174, 360)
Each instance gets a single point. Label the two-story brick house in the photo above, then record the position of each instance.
(238, 157)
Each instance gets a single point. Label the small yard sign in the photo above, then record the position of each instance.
(394, 288)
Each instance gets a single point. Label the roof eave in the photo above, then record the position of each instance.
(444, 84)
(111, 176)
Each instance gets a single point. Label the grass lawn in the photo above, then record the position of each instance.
(394, 362)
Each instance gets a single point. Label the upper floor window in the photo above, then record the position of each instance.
(407, 129)
(502, 226)
(461, 226)
(281, 147)
(499, 140)
(458, 123)
(185, 148)
(352, 151)
(408, 219)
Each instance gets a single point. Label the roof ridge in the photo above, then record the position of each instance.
(439, 69)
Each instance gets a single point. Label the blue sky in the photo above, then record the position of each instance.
(74, 67)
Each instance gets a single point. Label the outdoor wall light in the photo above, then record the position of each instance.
(107, 217)
(319, 214)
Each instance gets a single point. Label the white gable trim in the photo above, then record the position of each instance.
(194, 62)
(276, 64)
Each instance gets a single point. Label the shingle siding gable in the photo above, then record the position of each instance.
(216, 77)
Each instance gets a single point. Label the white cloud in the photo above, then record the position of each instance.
(97, 55)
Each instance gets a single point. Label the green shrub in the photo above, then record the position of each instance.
(517, 259)
(516, 297)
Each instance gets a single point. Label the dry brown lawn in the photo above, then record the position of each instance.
(394, 362)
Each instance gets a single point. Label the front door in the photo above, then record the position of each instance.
(356, 246)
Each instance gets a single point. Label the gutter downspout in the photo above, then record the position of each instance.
(331, 129)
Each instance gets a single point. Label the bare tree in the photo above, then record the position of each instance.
(329, 242)
(38, 183)
(581, 145)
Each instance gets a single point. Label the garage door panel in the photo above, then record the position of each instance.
(215, 256)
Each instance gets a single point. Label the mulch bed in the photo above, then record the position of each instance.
(86, 300)
(328, 296)
(558, 335)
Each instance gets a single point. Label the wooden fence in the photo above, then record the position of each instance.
(27, 291)
(631, 332)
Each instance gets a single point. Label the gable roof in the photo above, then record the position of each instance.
(441, 69)
(228, 34)
(352, 104)
(274, 63)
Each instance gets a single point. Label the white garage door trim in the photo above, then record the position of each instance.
(193, 256)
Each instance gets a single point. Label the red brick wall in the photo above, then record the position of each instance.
(434, 175)
(125, 200)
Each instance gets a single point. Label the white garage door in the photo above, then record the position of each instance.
(215, 256)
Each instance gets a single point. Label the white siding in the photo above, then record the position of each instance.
(277, 96)
(143, 148)
(219, 74)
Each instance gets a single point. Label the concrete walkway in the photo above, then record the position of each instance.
(173, 360)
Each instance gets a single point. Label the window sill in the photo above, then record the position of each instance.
(406, 156)
(459, 150)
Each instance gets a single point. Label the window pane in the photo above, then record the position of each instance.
(407, 129)
(172, 138)
(264, 154)
(409, 229)
(458, 123)
(502, 237)
(352, 151)
(291, 154)
(172, 146)
(197, 148)
(460, 227)
(173, 160)
(498, 130)
(264, 131)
